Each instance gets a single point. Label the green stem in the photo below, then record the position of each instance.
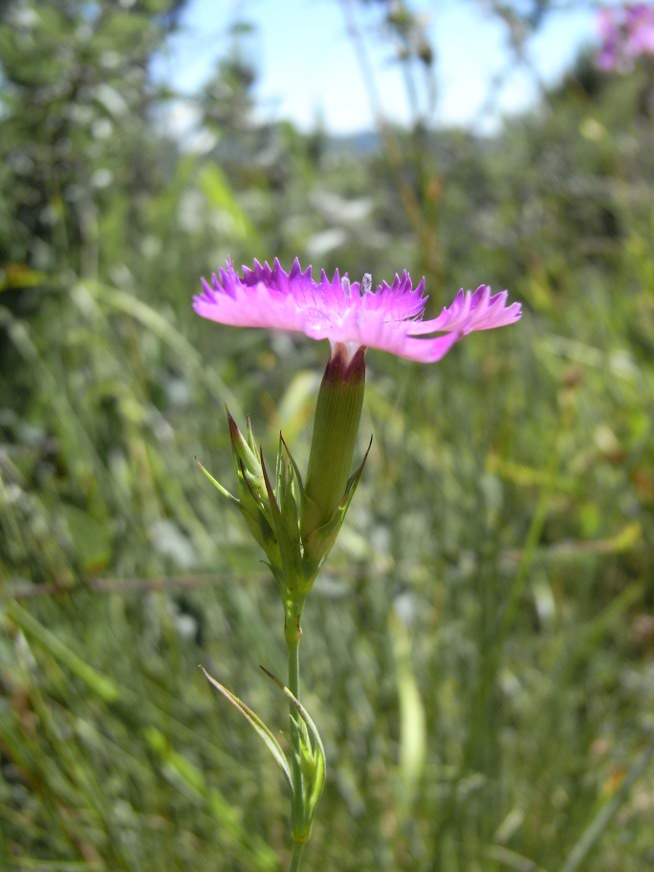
(294, 687)
(293, 637)
(296, 857)
(293, 634)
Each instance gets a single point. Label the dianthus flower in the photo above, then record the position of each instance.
(626, 33)
(295, 518)
(350, 314)
(640, 27)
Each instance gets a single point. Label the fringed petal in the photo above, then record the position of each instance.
(351, 313)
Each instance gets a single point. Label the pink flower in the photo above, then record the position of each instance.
(626, 33)
(350, 313)
(640, 28)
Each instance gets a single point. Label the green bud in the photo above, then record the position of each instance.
(338, 412)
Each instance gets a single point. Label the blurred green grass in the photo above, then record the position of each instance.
(479, 653)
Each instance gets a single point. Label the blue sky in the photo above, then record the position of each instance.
(307, 66)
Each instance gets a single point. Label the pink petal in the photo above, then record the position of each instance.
(387, 318)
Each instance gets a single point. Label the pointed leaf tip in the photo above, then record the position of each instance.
(312, 760)
(304, 714)
(269, 488)
(291, 459)
(216, 483)
(354, 479)
(264, 732)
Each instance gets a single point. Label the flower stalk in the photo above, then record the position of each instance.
(296, 525)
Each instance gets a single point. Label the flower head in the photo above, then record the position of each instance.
(352, 314)
(640, 27)
(626, 33)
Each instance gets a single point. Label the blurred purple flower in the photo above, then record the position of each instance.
(640, 29)
(609, 28)
(350, 313)
(626, 33)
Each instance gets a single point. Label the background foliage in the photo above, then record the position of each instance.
(480, 652)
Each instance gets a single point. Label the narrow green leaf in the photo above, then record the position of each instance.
(412, 737)
(216, 483)
(258, 725)
(252, 442)
(241, 446)
(316, 749)
(276, 513)
(291, 459)
(354, 479)
(100, 684)
(289, 490)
